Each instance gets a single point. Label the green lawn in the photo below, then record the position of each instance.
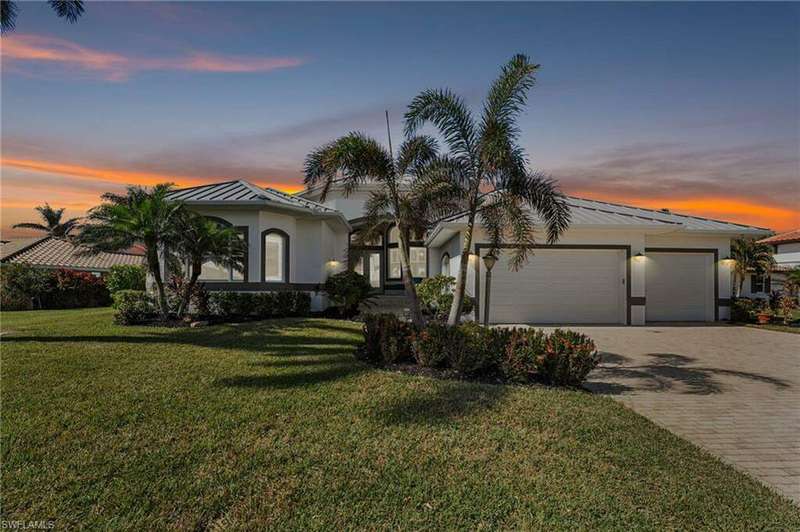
(274, 424)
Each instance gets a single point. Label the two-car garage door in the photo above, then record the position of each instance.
(561, 286)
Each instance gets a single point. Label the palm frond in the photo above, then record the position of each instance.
(542, 194)
(67, 9)
(350, 160)
(448, 112)
(414, 152)
(8, 15)
(32, 225)
(509, 94)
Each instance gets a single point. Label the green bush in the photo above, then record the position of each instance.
(742, 310)
(480, 350)
(348, 290)
(262, 305)
(126, 277)
(132, 307)
(387, 340)
(433, 345)
(568, 358)
(22, 286)
(436, 296)
(519, 359)
(25, 287)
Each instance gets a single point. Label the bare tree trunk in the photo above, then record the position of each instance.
(408, 281)
(461, 280)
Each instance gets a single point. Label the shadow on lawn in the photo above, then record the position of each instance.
(443, 402)
(618, 374)
(279, 381)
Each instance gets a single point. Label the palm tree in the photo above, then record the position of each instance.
(68, 9)
(750, 255)
(142, 215)
(404, 200)
(489, 168)
(53, 225)
(201, 240)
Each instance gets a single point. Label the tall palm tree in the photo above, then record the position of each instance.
(750, 255)
(404, 200)
(53, 225)
(201, 240)
(489, 168)
(142, 215)
(68, 9)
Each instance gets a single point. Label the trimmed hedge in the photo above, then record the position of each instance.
(259, 305)
(133, 306)
(25, 287)
(387, 340)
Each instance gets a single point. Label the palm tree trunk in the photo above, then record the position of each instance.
(188, 289)
(408, 281)
(155, 269)
(461, 280)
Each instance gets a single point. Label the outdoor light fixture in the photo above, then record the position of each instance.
(488, 261)
(639, 256)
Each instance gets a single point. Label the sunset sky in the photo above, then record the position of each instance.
(690, 107)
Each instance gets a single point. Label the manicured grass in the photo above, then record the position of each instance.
(274, 424)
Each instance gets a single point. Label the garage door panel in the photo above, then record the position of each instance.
(560, 286)
(679, 286)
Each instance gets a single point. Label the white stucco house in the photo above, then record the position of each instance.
(616, 264)
(786, 247)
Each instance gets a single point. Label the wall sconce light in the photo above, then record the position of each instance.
(639, 256)
(726, 260)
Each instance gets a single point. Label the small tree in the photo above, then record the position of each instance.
(488, 168)
(750, 256)
(126, 277)
(53, 225)
(410, 203)
(142, 215)
(348, 290)
(200, 240)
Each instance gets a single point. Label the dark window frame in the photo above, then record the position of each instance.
(760, 283)
(244, 230)
(286, 255)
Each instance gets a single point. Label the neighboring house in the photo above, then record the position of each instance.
(54, 253)
(787, 257)
(293, 243)
(615, 265)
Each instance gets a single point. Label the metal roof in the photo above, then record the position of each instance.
(242, 192)
(601, 213)
(52, 252)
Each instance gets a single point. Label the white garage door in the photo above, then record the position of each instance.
(680, 286)
(561, 286)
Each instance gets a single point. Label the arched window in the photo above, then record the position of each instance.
(211, 271)
(274, 256)
(446, 264)
(394, 235)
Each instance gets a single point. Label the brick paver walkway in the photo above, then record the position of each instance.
(733, 390)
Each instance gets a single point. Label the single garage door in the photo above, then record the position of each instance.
(561, 286)
(680, 286)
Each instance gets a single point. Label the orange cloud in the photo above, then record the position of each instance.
(730, 209)
(117, 67)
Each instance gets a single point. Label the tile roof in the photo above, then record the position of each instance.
(243, 192)
(783, 238)
(9, 247)
(52, 252)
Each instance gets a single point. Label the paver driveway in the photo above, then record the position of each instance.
(732, 390)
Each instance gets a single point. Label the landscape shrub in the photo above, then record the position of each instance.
(742, 310)
(74, 289)
(22, 286)
(568, 358)
(387, 340)
(348, 290)
(132, 307)
(433, 346)
(25, 287)
(126, 277)
(519, 361)
(479, 350)
(262, 305)
(436, 296)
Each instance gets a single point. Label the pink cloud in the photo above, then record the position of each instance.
(28, 48)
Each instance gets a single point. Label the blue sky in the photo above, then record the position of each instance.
(689, 106)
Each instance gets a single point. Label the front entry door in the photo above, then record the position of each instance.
(370, 265)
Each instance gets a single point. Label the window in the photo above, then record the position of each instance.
(210, 271)
(359, 266)
(374, 242)
(275, 256)
(760, 283)
(394, 235)
(418, 259)
(445, 264)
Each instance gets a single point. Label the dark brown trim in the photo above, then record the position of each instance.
(620, 247)
(638, 301)
(286, 255)
(245, 230)
(238, 286)
(714, 252)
